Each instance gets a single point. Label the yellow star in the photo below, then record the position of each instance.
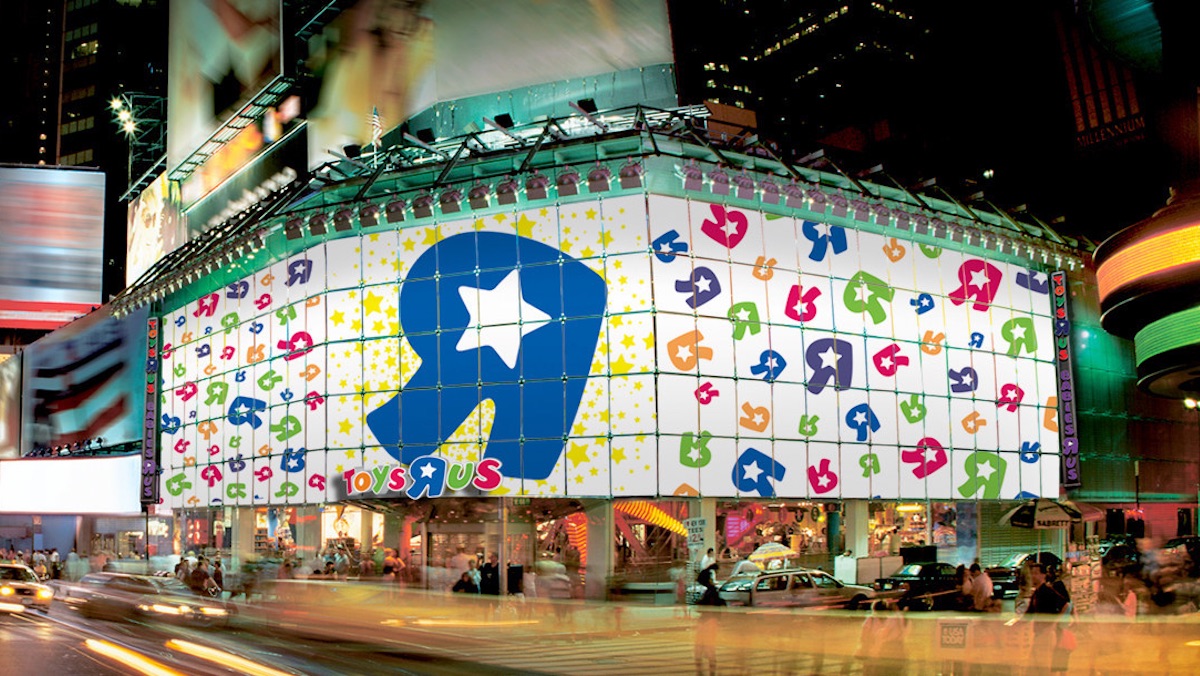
(353, 294)
(566, 246)
(374, 237)
(371, 303)
(500, 217)
(543, 212)
(620, 365)
(356, 325)
(525, 226)
(637, 385)
(409, 244)
(390, 362)
(591, 214)
(566, 231)
(618, 454)
(345, 426)
(432, 235)
(479, 224)
(377, 327)
(603, 416)
(342, 383)
(597, 367)
(395, 265)
(578, 478)
(586, 252)
(577, 430)
(606, 239)
(595, 472)
(351, 454)
(649, 341)
(616, 320)
(621, 414)
(578, 454)
(337, 317)
(623, 279)
(339, 469)
(627, 341)
(616, 264)
(640, 438)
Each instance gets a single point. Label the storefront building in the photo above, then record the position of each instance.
(623, 336)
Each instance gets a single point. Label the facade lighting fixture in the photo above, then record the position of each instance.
(535, 186)
(506, 191)
(368, 215)
(598, 178)
(450, 200)
(395, 211)
(567, 183)
(478, 196)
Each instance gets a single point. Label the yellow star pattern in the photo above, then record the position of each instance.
(618, 455)
(620, 366)
(371, 302)
(409, 244)
(586, 252)
(578, 454)
(338, 317)
(606, 239)
(627, 341)
(525, 226)
(345, 426)
(432, 236)
(591, 214)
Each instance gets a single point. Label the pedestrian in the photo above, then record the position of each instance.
(705, 651)
(708, 559)
(982, 590)
(55, 564)
(218, 573)
(881, 641)
(1053, 636)
(476, 575)
(366, 565)
(711, 596)
(489, 576)
(200, 581)
(391, 565)
(465, 585)
(461, 562)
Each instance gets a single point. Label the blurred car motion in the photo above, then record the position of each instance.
(120, 596)
(921, 586)
(1184, 552)
(1006, 577)
(20, 589)
(794, 588)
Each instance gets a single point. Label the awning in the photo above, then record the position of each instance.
(1091, 513)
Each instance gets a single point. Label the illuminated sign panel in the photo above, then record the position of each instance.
(627, 346)
(10, 406)
(86, 381)
(154, 227)
(102, 485)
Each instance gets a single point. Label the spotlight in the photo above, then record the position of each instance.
(316, 224)
(631, 175)
(368, 215)
(745, 186)
(450, 200)
(395, 211)
(770, 191)
(292, 229)
(568, 183)
(423, 205)
(535, 186)
(598, 179)
(506, 191)
(478, 196)
(343, 220)
(720, 181)
(693, 176)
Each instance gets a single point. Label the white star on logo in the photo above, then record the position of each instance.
(927, 301)
(1039, 278)
(683, 353)
(967, 379)
(743, 315)
(503, 317)
(862, 293)
(1018, 332)
(1009, 393)
(984, 469)
(823, 481)
(829, 358)
(860, 418)
(886, 363)
(666, 248)
(704, 285)
(798, 308)
(979, 279)
(427, 470)
(730, 228)
(694, 454)
(752, 471)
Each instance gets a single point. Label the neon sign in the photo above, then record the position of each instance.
(1066, 385)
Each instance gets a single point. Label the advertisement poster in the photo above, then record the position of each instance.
(632, 345)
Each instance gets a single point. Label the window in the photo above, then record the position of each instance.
(801, 581)
(824, 581)
(773, 583)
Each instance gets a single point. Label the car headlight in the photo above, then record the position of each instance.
(45, 594)
(213, 611)
(166, 609)
(7, 591)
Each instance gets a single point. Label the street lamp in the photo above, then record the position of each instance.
(141, 117)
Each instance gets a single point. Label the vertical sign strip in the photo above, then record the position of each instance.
(1066, 384)
(150, 428)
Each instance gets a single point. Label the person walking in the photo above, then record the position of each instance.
(881, 640)
(489, 576)
(982, 590)
(1051, 609)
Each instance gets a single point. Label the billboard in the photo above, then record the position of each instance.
(400, 58)
(222, 52)
(154, 228)
(632, 345)
(52, 230)
(86, 381)
(10, 406)
(107, 485)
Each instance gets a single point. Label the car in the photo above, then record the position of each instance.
(120, 596)
(921, 586)
(1185, 551)
(794, 588)
(20, 589)
(1006, 577)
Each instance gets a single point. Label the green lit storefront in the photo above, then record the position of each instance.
(602, 341)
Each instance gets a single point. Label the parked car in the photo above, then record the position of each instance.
(921, 586)
(119, 596)
(20, 589)
(1006, 577)
(794, 588)
(1184, 551)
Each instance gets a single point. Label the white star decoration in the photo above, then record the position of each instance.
(752, 471)
(503, 316)
(979, 279)
(829, 358)
(823, 481)
(984, 469)
(704, 285)
(427, 470)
